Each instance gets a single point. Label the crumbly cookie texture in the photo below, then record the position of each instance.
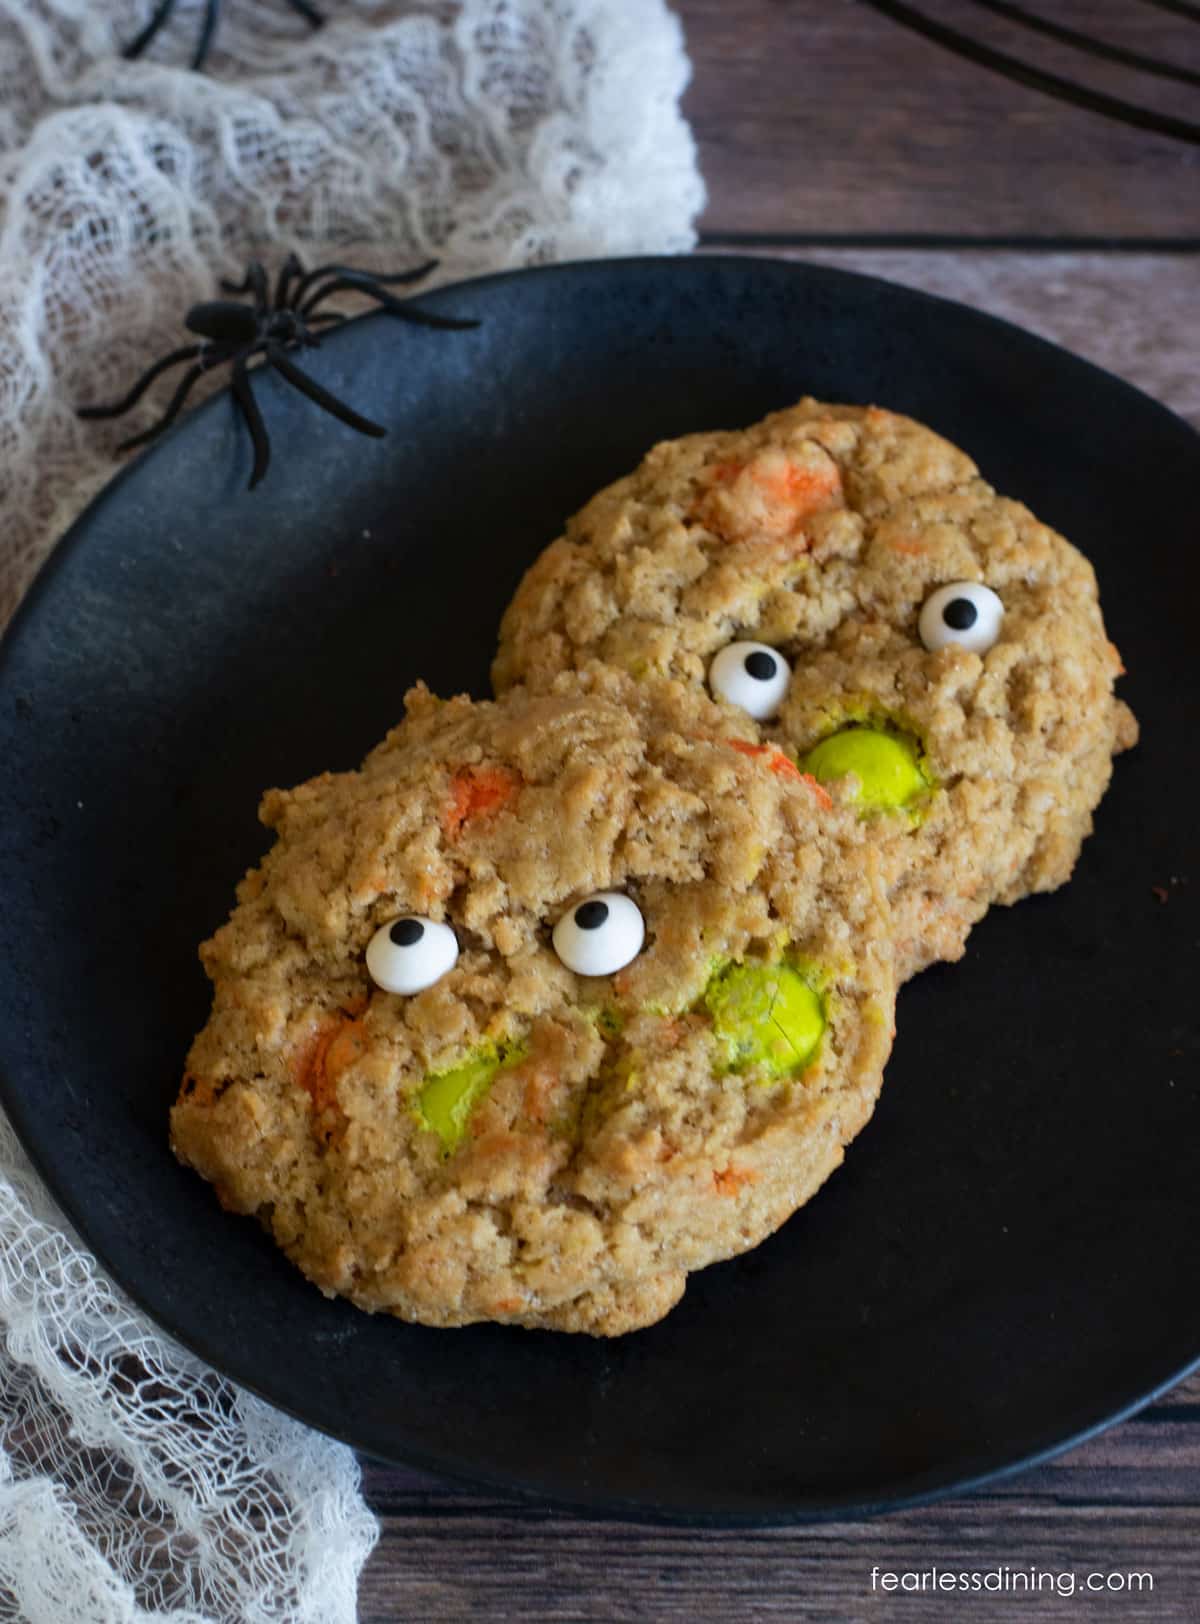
(613, 1132)
(821, 532)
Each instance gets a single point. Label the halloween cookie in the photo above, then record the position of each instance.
(922, 645)
(554, 1000)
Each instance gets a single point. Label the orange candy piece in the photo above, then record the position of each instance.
(476, 791)
(777, 762)
(769, 498)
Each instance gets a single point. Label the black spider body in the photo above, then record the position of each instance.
(222, 321)
(276, 322)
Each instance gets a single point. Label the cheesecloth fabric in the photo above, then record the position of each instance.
(135, 1484)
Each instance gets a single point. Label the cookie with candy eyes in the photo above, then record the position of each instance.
(553, 1001)
(925, 647)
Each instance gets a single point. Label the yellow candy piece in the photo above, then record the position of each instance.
(886, 765)
(447, 1099)
(766, 1017)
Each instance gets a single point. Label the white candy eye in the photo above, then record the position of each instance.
(751, 676)
(966, 614)
(410, 954)
(600, 935)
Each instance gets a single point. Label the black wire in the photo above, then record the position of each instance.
(310, 13)
(1180, 8)
(208, 29)
(936, 241)
(1085, 42)
(1012, 68)
(136, 46)
(212, 14)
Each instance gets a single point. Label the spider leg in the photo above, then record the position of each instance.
(324, 316)
(425, 318)
(395, 279)
(243, 393)
(258, 280)
(289, 271)
(187, 353)
(212, 13)
(174, 407)
(321, 397)
(310, 13)
(254, 280)
(404, 308)
(162, 11)
(311, 298)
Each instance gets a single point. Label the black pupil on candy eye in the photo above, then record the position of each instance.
(960, 614)
(405, 932)
(760, 665)
(591, 915)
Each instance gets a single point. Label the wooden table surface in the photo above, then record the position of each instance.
(835, 131)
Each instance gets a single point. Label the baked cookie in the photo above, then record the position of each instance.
(554, 1000)
(922, 645)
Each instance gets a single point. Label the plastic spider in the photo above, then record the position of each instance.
(208, 28)
(231, 334)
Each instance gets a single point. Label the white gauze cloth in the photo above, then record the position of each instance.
(135, 1484)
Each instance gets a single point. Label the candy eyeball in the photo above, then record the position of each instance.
(964, 614)
(600, 935)
(409, 954)
(751, 676)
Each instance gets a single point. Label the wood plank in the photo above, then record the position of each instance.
(1127, 1501)
(824, 119)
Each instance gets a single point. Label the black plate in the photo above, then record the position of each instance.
(1009, 1257)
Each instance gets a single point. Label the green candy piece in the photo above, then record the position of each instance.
(887, 766)
(609, 1022)
(448, 1098)
(765, 1016)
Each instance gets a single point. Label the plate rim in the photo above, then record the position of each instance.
(925, 1488)
(71, 536)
